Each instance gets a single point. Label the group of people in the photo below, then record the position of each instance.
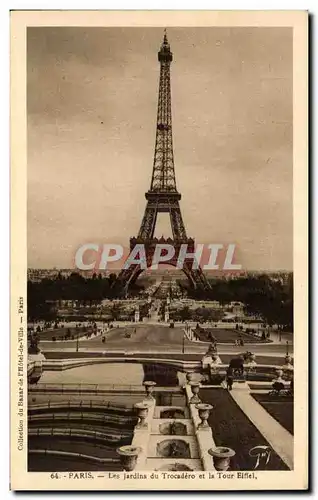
(239, 342)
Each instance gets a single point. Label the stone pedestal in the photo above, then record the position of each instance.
(216, 359)
(149, 386)
(206, 361)
(252, 358)
(137, 316)
(288, 363)
(190, 377)
(279, 377)
(250, 367)
(221, 457)
(288, 359)
(38, 357)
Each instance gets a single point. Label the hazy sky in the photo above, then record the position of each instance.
(92, 99)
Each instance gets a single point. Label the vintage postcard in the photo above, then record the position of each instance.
(159, 300)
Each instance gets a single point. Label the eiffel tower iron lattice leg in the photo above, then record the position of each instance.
(163, 195)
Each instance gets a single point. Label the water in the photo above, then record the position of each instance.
(108, 373)
(115, 373)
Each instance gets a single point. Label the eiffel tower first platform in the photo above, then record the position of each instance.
(163, 195)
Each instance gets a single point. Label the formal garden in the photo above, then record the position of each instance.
(279, 406)
(62, 330)
(227, 336)
(232, 428)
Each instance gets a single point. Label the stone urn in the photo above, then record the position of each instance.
(128, 456)
(149, 386)
(221, 457)
(204, 412)
(252, 357)
(142, 412)
(195, 388)
(251, 363)
(288, 361)
(279, 377)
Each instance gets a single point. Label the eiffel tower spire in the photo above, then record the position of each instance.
(163, 176)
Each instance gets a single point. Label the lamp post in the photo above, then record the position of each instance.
(183, 339)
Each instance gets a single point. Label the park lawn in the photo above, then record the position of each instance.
(279, 407)
(232, 428)
(229, 336)
(58, 333)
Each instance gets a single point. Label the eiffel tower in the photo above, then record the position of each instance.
(163, 195)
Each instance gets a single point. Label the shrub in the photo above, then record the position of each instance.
(278, 387)
(54, 339)
(216, 379)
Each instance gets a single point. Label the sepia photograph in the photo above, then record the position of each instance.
(157, 310)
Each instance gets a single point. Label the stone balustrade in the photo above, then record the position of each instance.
(183, 365)
(142, 435)
(204, 437)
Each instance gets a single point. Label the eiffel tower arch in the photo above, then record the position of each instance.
(163, 196)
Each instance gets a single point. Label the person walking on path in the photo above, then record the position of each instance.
(229, 380)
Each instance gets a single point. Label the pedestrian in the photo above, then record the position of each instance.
(229, 380)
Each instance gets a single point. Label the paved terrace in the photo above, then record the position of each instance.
(146, 338)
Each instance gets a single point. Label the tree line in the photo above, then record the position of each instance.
(261, 295)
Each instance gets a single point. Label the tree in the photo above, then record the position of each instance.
(185, 313)
(115, 312)
(33, 346)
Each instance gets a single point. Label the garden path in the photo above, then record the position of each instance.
(279, 438)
